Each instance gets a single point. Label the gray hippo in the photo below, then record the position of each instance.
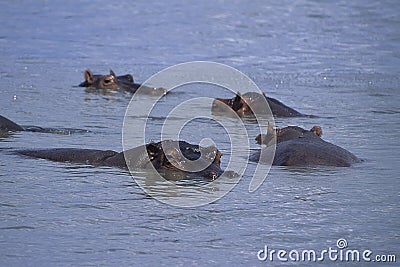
(240, 104)
(114, 82)
(296, 146)
(7, 125)
(162, 155)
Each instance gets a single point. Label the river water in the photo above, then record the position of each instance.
(338, 60)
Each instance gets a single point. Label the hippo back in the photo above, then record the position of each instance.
(312, 151)
(8, 125)
(308, 150)
(134, 158)
(76, 155)
(281, 110)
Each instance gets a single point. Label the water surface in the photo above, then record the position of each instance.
(338, 60)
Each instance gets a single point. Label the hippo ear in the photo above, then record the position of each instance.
(317, 130)
(88, 76)
(238, 96)
(112, 73)
(217, 159)
(152, 149)
(130, 77)
(237, 102)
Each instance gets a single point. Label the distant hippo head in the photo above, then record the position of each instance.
(124, 83)
(108, 81)
(243, 105)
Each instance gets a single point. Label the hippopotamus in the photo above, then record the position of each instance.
(241, 105)
(296, 146)
(7, 125)
(162, 155)
(114, 82)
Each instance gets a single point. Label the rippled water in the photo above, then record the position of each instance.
(338, 60)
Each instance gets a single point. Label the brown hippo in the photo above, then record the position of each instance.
(114, 82)
(7, 125)
(162, 155)
(241, 105)
(296, 146)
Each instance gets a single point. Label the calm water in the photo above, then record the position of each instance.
(335, 59)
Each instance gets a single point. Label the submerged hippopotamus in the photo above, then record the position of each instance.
(241, 105)
(164, 156)
(7, 125)
(296, 146)
(114, 82)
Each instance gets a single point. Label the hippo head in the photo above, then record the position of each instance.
(240, 103)
(122, 82)
(224, 104)
(108, 81)
(187, 158)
